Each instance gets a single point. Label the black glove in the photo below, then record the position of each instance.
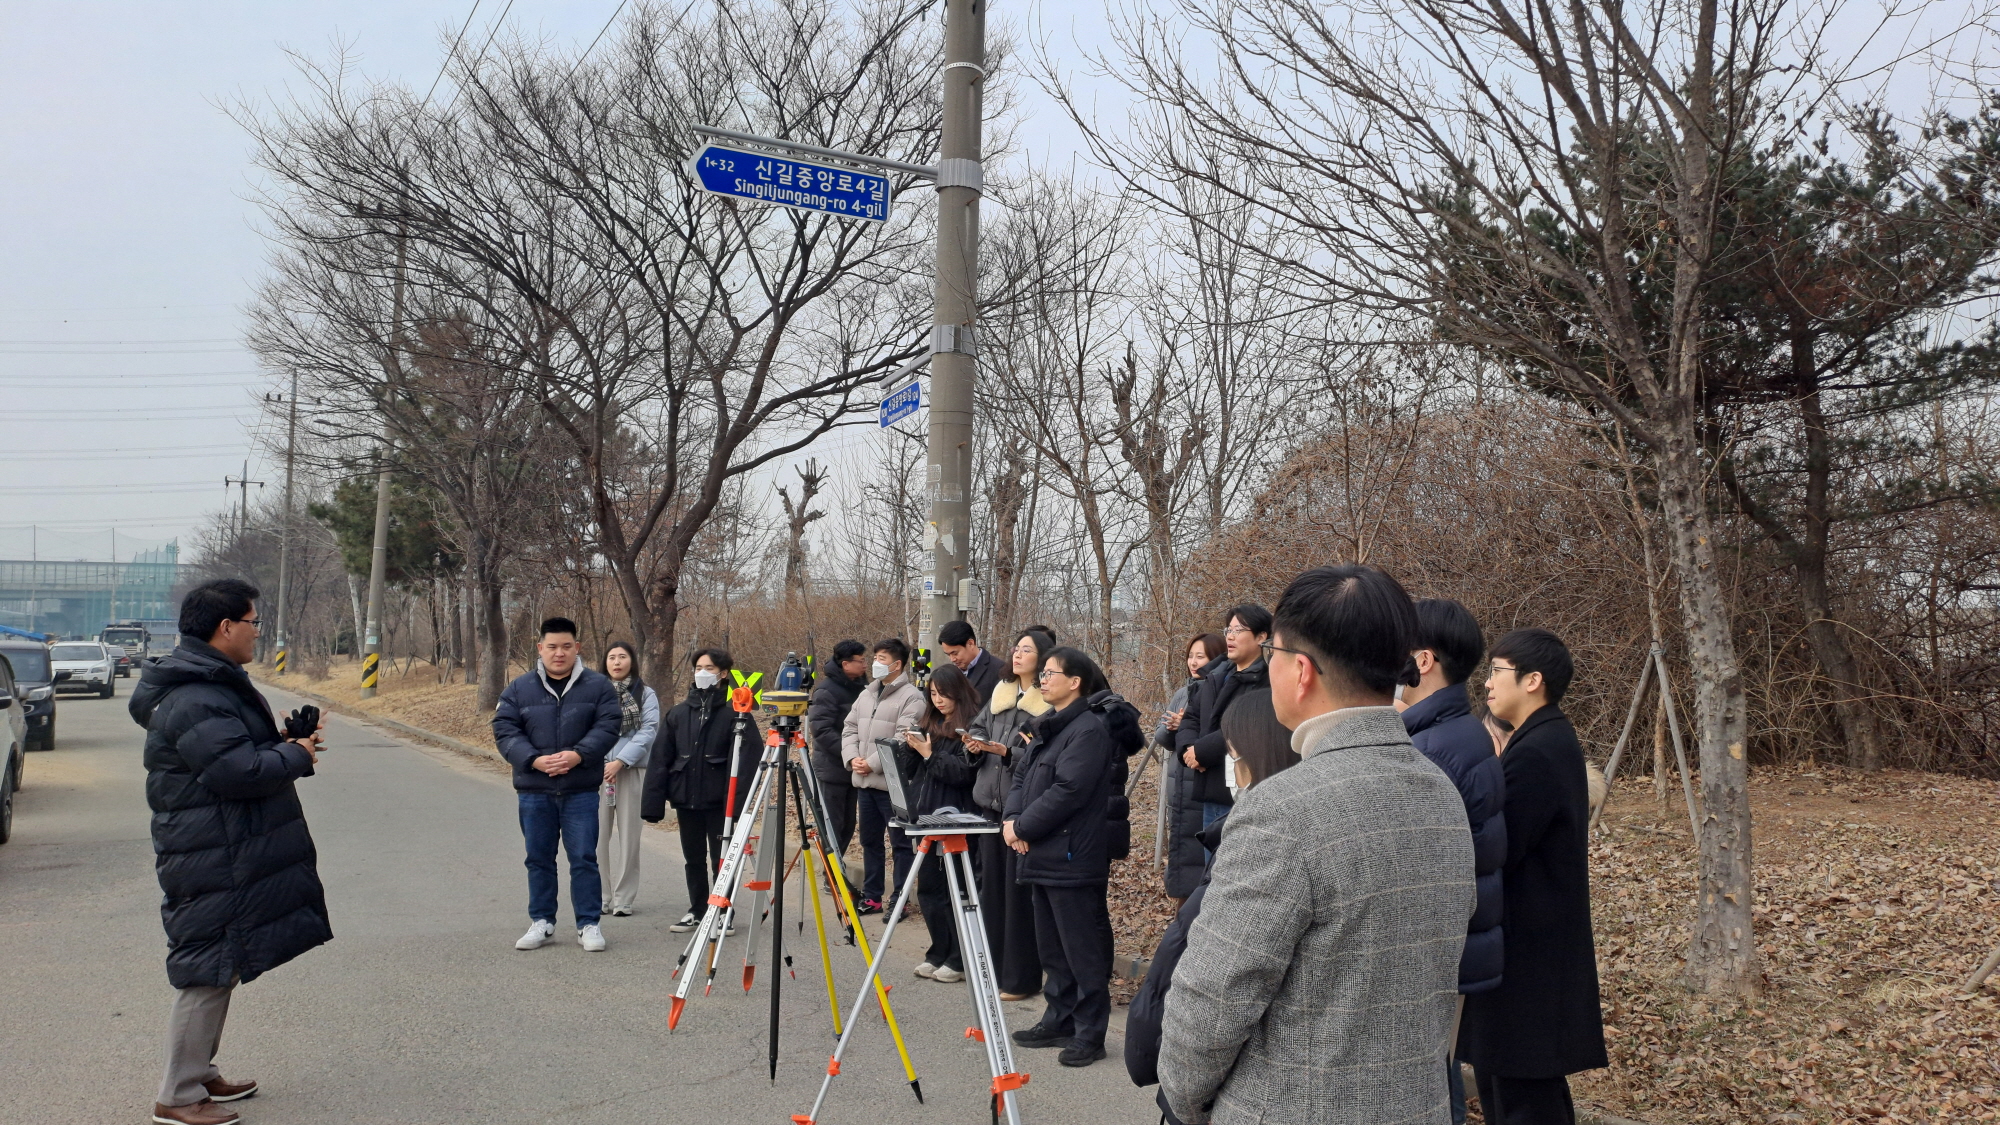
(302, 722)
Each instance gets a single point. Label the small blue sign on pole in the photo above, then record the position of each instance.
(826, 189)
(900, 404)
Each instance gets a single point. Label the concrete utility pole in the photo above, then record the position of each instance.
(378, 563)
(283, 654)
(959, 182)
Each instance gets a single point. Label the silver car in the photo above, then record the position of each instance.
(92, 666)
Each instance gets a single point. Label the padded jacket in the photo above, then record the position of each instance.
(1007, 714)
(691, 759)
(1443, 729)
(1221, 682)
(880, 711)
(831, 699)
(1068, 801)
(535, 718)
(239, 885)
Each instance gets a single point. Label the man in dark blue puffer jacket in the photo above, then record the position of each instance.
(554, 725)
(1442, 726)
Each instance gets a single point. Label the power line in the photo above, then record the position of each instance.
(449, 53)
(490, 33)
(99, 490)
(600, 34)
(102, 351)
(119, 375)
(120, 343)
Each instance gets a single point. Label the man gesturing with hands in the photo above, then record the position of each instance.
(554, 725)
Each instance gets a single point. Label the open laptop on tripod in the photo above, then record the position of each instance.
(902, 802)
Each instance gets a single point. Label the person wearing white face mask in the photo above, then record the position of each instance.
(689, 768)
(889, 705)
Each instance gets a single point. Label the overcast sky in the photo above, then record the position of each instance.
(129, 247)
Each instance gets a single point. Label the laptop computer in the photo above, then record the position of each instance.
(901, 801)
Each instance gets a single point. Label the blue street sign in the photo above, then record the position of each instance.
(900, 404)
(827, 189)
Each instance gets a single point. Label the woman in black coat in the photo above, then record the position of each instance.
(1066, 818)
(1186, 858)
(940, 773)
(240, 889)
(690, 770)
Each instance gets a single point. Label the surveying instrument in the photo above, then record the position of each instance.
(945, 830)
(785, 756)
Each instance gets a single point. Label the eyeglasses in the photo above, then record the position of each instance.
(1498, 668)
(1267, 648)
(253, 622)
(1235, 629)
(1047, 672)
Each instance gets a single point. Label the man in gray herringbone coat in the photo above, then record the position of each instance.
(1320, 981)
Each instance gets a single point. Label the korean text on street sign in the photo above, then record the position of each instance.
(824, 188)
(900, 404)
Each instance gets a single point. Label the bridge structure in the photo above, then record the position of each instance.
(74, 598)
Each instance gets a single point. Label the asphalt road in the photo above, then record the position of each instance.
(421, 1010)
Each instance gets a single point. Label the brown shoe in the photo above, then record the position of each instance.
(203, 1112)
(223, 1090)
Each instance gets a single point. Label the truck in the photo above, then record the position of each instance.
(162, 637)
(128, 637)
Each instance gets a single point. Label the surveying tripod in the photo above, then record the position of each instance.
(784, 758)
(981, 976)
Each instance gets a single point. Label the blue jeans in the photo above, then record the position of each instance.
(572, 818)
(1212, 811)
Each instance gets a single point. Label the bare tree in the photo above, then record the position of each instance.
(797, 518)
(1468, 165)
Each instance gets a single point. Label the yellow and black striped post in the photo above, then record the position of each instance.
(371, 665)
(278, 661)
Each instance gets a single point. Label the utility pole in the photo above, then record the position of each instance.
(959, 182)
(378, 564)
(283, 654)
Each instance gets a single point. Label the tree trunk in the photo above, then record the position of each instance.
(1851, 706)
(493, 622)
(1722, 958)
(354, 598)
(1660, 750)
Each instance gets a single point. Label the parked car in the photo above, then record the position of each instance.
(14, 735)
(35, 685)
(92, 666)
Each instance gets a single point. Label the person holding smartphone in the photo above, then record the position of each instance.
(941, 774)
(994, 737)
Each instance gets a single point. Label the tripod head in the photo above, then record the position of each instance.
(790, 693)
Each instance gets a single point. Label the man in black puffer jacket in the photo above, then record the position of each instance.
(239, 891)
(1443, 728)
(1066, 817)
(833, 697)
(554, 725)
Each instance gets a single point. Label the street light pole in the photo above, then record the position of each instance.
(959, 182)
(378, 563)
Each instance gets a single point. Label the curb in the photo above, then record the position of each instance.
(325, 704)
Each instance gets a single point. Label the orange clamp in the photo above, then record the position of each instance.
(718, 900)
(833, 1066)
(1006, 1082)
(763, 886)
(975, 1033)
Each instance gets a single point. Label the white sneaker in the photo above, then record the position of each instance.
(688, 922)
(591, 938)
(948, 975)
(539, 932)
(926, 969)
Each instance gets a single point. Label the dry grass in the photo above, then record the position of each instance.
(450, 709)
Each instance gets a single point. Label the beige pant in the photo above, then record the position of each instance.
(618, 828)
(194, 1034)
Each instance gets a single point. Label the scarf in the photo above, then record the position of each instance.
(628, 705)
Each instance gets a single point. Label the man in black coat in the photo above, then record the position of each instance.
(554, 725)
(1065, 817)
(690, 770)
(1543, 1022)
(833, 696)
(1438, 715)
(1200, 742)
(961, 647)
(240, 893)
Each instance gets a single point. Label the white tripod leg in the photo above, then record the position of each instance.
(981, 978)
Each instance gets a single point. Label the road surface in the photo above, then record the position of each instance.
(421, 1010)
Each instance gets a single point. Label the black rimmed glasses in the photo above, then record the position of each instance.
(1267, 648)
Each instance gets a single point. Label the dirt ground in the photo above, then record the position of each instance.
(1876, 897)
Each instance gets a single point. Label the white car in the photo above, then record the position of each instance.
(91, 666)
